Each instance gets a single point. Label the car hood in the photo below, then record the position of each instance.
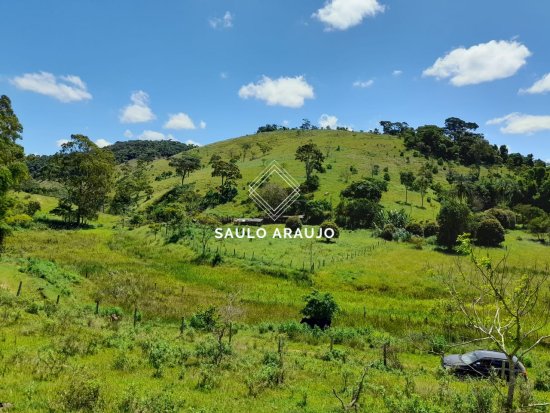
(453, 360)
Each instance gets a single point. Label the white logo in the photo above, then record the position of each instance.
(274, 211)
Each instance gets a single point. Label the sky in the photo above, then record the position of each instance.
(201, 71)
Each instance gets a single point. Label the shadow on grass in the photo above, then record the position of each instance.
(59, 224)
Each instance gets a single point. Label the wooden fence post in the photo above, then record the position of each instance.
(19, 288)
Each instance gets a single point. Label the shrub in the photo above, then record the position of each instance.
(357, 213)
(81, 394)
(294, 223)
(319, 309)
(19, 220)
(506, 217)
(542, 382)
(329, 224)
(317, 211)
(387, 232)
(489, 232)
(159, 353)
(33, 207)
(311, 184)
(431, 229)
(415, 228)
(453, 220)
(205, 320)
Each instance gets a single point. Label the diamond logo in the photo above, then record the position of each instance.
(274, 170)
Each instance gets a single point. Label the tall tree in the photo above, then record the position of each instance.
(423, 181)
(86, 172)
(130, 187)
(312, 157)
(13, 168)
(228, 171)
(245, 146)
(407, 180)
(185, 164)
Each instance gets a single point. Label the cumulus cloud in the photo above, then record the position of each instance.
(66, 89)
(192, 142)
(225, 22)
(540, 86)
(520, 124)
(289, 92)
(151, 135)
(102, 143)
(484, 62)
(363, 84)
(397, 72)
(61, 142)
(330, 121)
(202, 124)
(138, 111)
(343, 14)
(128, 134)
(180, 121)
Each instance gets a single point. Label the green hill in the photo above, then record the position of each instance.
(343, 149)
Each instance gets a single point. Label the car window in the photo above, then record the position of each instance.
(497, 364)
(468, 358)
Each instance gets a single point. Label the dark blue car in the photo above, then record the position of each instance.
(481, 363)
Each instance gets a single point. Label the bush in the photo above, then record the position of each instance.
(357, 213)
(319, 310)
(453, 220)
(33, 207)
(310, 185)
(542, 382)
(329, 224)
(387, 232)
(317, 211)
(81, 394)
(506, 217)
(431, 229)
(205, 320)
(294, 223)
(415, 229)
(489, 232)
(19, 220)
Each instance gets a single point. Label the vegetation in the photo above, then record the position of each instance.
(140, 308)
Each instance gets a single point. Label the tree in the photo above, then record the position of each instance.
(423, 181)
(508, 309)
(13, 169)
(228, 171)
(86, 173)
(453, 221)
(265, 147)
(206, 225)
(540, 227)
(132, 184)
(293, 223)
(185, 165)
(407, 180)
(319, 310)
(245, 146)
(312, 157)
(368, 188)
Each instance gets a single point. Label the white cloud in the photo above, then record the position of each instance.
(484, 62)
(224, 75)
(102, 143)
(225, 22)
(519, 123)
(138, 111)
(128, 134)
(290, 92)
(397, 72)
(363, 83)
(202, 124)
(180, 121)
(192, 142)
(63, 88)
(61, 142)
(540, 86)
(328, 120)
(151, 135)
(343, 14)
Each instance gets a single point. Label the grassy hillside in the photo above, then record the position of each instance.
(344, 149)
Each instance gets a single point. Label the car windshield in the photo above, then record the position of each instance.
(468, 358)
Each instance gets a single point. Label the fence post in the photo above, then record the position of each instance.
(135, 316)
(57, 301)
(182, 325)
(385, 354)
(97, 307)
(19, 288)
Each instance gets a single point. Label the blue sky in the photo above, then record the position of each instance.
(204, 71)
